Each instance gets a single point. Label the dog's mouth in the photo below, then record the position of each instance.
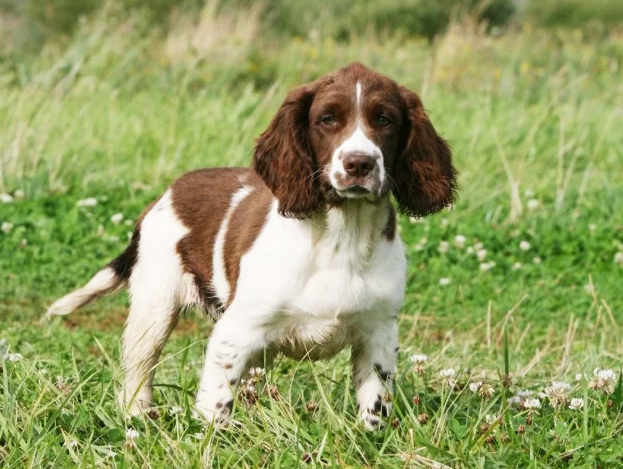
(356, 189)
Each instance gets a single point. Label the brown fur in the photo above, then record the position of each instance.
(284, 158)
(424, 178)
(201, 199)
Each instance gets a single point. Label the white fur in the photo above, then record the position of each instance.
(358, 92)
(308, 289)
(219, 276)
(158, 288)
(357, 142)
(105, 281)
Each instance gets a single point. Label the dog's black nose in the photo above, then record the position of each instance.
(358, 164)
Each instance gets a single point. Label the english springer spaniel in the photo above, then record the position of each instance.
(297, 255)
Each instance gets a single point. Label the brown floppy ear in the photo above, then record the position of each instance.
(424, 178)
(284, 159)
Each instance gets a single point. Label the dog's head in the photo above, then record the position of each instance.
(354, 134)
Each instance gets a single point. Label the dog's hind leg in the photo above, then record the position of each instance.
(153, 315)
(159, 288)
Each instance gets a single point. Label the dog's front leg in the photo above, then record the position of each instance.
(233, 343)
(374, 363)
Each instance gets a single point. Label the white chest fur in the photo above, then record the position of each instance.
(315, 286)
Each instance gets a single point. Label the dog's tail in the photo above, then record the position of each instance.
(108, 280)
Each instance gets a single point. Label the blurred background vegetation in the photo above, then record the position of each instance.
(27, 25)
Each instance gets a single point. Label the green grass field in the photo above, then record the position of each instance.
(530, 293)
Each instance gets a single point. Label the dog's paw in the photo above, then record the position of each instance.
(217, 415)
(372, 422)
(371, 416)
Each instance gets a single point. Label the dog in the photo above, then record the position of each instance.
(298, 255)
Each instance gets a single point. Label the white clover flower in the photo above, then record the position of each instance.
(444, 281)
(524, 393)
(490, 419)
(520, 397)
(603, 380)
(444, 222)
(478, 246)
(459, 241)
(71, 443)
(532, 204)
(6, 227)
(474, 387)
(175, 410)
(532, 404)
(517, 266)
(516, 401)
(419, 362)
(618, 258)
(536, 260)
(529, 193)
(486, 391)
(421, 244)
(577, 403)
(23, 243)
(14, 357)
(592, 227)
(557, 393)
(88, 202)
(470, 250)
(444, 246)
(481, 254)
(524, 245)
(487, 266)
(116, 218)
(20, 194)
(418, 359)
(6, 198)
(580, 377)
(132, 434)
(448, 377)
(257, 372)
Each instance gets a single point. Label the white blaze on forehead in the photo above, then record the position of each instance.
(358, 91)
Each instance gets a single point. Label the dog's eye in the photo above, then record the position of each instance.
(382, 121)
(329, 119)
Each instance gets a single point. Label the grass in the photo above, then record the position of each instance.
(534, 121)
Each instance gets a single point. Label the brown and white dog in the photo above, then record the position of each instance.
(298, 255)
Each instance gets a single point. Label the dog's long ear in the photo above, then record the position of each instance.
(424, 178)
(284, 159)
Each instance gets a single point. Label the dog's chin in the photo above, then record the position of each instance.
(354, 192)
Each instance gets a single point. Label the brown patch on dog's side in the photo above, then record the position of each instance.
(201, 199)
(245, 225)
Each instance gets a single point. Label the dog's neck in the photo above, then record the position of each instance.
(353, 228)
